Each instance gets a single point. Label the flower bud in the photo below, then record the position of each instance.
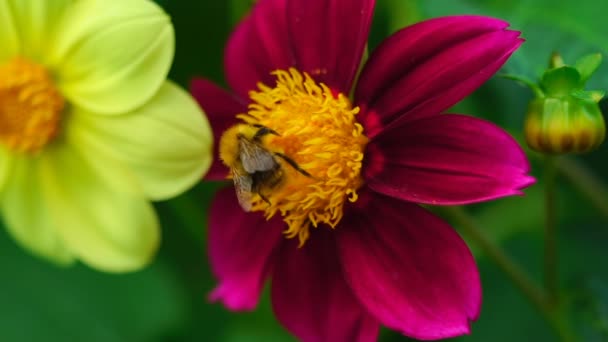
(564, 125)
(563, 117)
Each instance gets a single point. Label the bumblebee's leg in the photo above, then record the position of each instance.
(262, 131)
(292, 163)
(265, 180)
(264, 198)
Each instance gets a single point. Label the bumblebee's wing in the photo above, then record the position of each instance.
(255, 158)
(243, 186)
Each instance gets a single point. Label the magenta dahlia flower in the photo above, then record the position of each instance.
(329, 172)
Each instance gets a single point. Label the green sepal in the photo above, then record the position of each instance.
(526, 82)
(589, 95)
(556, 61)
(587, 65)
(560, 81)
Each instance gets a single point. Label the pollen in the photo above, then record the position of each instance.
(317, 129)
(30, 106)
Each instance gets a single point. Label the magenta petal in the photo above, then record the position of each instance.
(221, 109)
(310, 297)
(430, 66)
(410, 269)
(259, 45)
(329, 37)
(241, 250)
(447, 159)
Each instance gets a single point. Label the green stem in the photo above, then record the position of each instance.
(519, 278)
(496, 254)
(550, 269)
(586, 182)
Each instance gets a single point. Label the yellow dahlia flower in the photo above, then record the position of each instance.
(90, 130)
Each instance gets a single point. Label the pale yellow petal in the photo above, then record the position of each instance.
(167, 143)
(9, 40)
(101, 216)
(26, 213)
(28, 27)
(111, 56)
(6, 162)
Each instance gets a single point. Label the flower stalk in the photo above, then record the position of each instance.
(586, 182)
(550, 258)
(533, 293)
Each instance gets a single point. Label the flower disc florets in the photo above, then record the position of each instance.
(316, 129)
(30, 106)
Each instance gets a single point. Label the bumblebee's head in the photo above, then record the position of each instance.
(229, 143)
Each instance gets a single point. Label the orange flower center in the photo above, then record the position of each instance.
(30, 106)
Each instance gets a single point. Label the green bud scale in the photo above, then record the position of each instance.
(563, 125)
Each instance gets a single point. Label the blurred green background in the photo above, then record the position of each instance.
(167, 301)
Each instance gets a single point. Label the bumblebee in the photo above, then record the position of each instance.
(254, 168)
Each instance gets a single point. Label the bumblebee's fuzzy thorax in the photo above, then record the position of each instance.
(229, 143)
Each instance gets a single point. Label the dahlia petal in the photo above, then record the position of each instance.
(9, 39)
(445, 160)
(6, 161)
(101, 215)
(27, 27)
(428, 67)
(409, 269)
(241, 251)
(259, 45)
(221, 109)
(112, 56)
(166, 143)
(26, 212)
(310, 297)
(329, 37)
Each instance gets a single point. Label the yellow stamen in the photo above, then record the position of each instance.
(318, 131)
(30, 106)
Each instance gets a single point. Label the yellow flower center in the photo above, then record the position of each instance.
(30, 106)
(318, 146)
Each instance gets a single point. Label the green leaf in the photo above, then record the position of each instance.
(566, 27)
(41, 302)
(588, 307)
